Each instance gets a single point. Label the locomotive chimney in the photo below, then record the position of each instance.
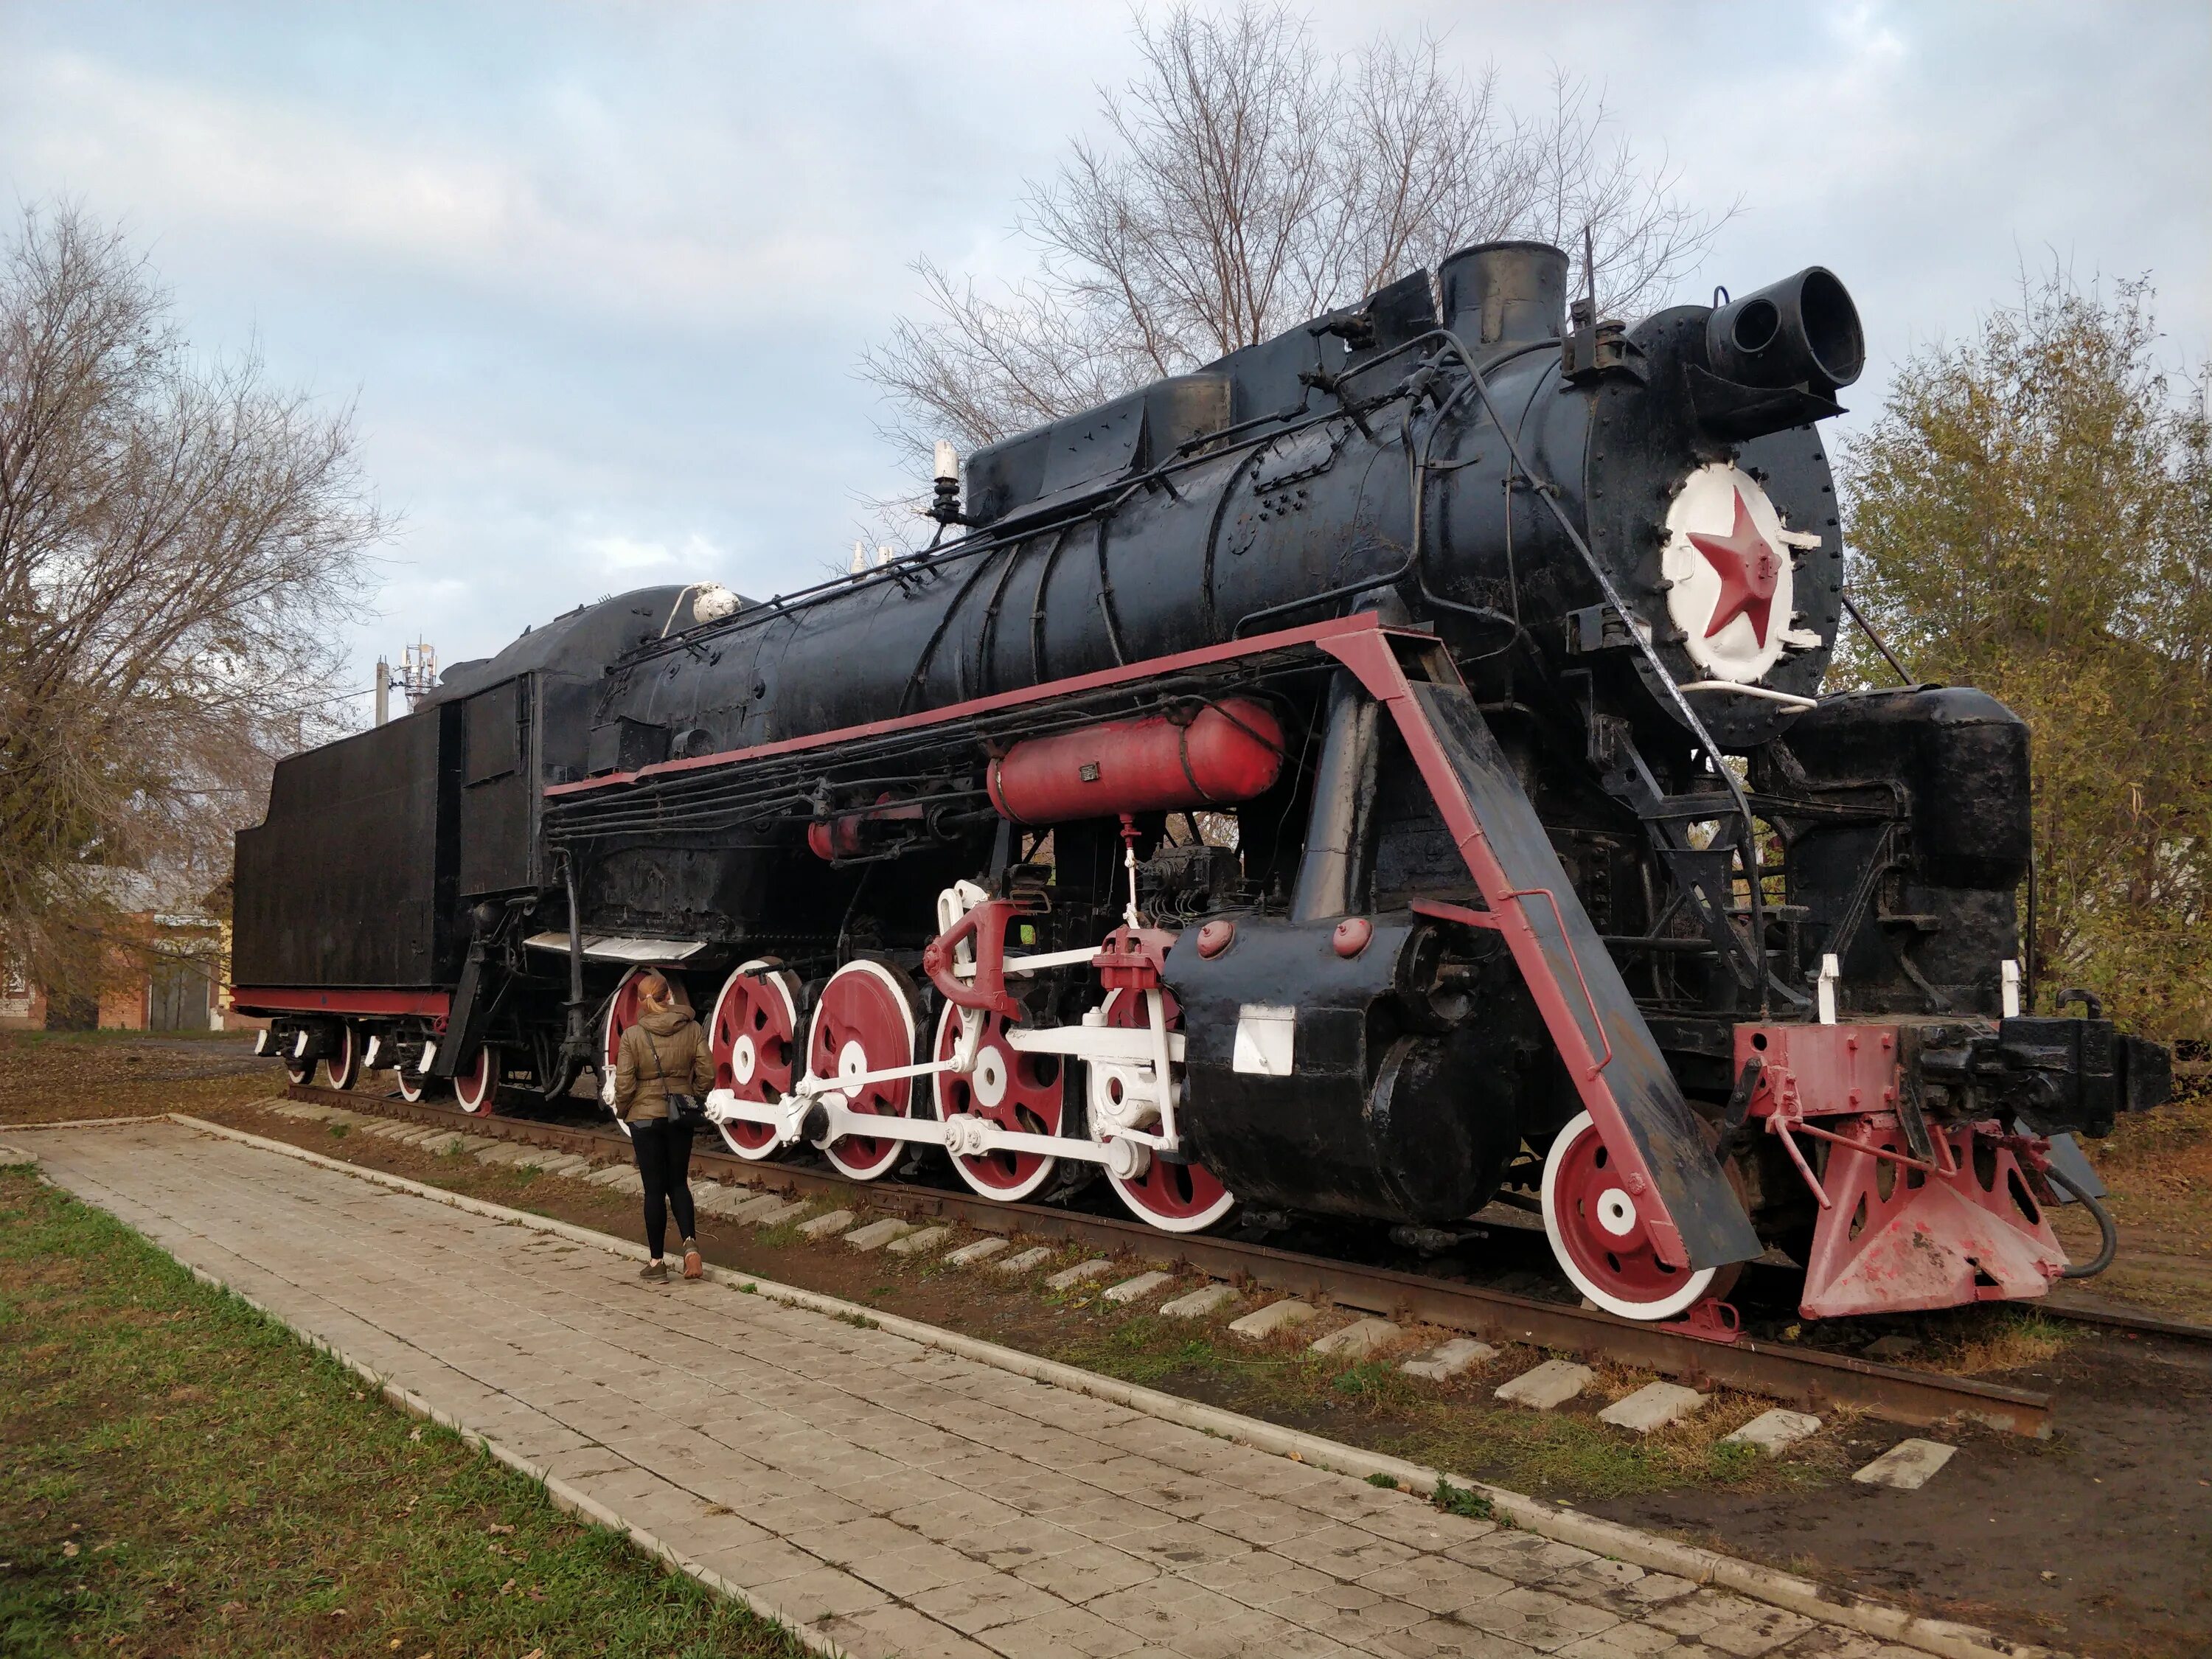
(1803, 330)
(1505, 293)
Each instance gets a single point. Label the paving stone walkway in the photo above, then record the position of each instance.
(884, 1495)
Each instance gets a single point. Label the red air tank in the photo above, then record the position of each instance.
(1224, 754)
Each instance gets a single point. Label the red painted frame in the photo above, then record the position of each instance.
(1369, 656)
(269, 1000)
(1315, 634)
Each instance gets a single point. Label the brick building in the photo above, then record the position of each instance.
(168, 971)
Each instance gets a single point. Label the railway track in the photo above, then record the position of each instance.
(1806, 1378)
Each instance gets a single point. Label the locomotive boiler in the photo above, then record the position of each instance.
(1379, 772)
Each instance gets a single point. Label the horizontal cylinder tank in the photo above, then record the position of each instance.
(1216, 755)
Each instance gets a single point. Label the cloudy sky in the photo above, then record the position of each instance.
(598, 276)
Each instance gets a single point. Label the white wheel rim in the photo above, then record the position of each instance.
(609, 1037)
(338, 1068)
(1170, 1224)
(1197, 1222)
(1693, 1285)
(876, 970)
(484, 1075)
(1047, 1167)
(744, 1059)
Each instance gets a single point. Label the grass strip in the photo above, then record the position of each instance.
(185, 1478)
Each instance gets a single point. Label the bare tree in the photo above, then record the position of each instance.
(1249, 181)
(178, 540)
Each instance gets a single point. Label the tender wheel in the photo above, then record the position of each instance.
(754, 1035)
(864, 1022)
(1176, 1198)
(414, 1080)
(341, 1066)
(1599, 1236)
(300, 1072)
(1014, 1091)
(477, 1088)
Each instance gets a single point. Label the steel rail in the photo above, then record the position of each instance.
(1801, 1377)
(2113, 1317)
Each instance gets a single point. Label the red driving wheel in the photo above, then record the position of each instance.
(622, 1014)
(1176, 1198)
(1017, 1091)
(864, 1022)
(754, 1035)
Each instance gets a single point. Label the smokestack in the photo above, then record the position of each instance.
(1803, 330)
(1502, 293)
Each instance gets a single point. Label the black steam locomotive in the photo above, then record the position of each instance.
(1380, 770)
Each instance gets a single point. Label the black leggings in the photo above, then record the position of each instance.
(663, 1163)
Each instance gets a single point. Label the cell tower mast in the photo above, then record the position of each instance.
(418, 671)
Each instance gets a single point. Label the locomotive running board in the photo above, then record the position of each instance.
(1600, 1032)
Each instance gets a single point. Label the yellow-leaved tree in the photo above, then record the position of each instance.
(2032, 514)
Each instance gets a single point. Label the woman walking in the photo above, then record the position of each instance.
(665, 1052)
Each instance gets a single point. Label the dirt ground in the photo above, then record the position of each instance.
(2159, 1165)
(2097, 1541)
(47, 1075)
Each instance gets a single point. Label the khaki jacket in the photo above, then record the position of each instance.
(665, 1049)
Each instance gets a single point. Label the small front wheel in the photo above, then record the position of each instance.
(1600, 1236)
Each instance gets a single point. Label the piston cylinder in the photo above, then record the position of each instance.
(1221, 754)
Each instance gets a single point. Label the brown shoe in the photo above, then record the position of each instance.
(655, 1270)
(693, 1267)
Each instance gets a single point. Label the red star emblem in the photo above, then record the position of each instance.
(1748, 569)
